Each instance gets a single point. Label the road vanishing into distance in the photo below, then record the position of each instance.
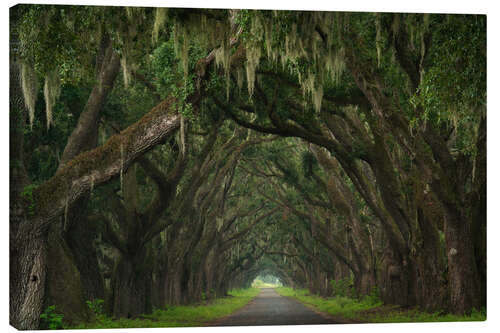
(269, 308)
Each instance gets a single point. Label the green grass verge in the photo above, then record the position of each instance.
(179, 316)
(369, 309)
(343, 306)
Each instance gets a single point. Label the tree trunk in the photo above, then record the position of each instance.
(364, 281)
(463, 278)
(80, 239)
(27, 250)
(132, 288)
(395, 280)
(431, 288)
(64, 287)
(27, 283)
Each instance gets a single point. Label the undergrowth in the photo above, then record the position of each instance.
(178, 316)
(369, 309)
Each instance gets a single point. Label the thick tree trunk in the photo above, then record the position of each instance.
(395, 280)
(431, 288)
(80, 238)
(172, 285)
(209, 276)
(64, 287)
(364, 281)
(27, 284)
(478, 216)
(27, 250)
(463, 278)
(132, 286)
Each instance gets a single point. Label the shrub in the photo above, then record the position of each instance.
(96, 306)
(343, 287)
(51, 320)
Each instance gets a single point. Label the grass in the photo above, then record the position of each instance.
(414, 315)
(179, 316)
(343, 306)
(371, 310)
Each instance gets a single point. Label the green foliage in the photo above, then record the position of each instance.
(27, 194)
(453, 88)
(373, 297)
(179, 316)
(50, 320)
(342, 287)
(96, 306)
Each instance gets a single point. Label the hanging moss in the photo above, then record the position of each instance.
(29, 85)
(378, 38)
(239, 78)
(253, 58)
(318, 97)
(126, 71)
(51, 91)
(160, 18)
(335, 65)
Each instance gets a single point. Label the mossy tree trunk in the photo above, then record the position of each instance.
(27, 273)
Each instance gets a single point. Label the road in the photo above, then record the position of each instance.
(269, 308)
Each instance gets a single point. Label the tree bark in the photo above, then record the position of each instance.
(463, 278)
(132, 287)
(27, 251)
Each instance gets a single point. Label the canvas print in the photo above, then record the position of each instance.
(233, 167)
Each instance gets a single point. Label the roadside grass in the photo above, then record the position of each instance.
(343, 306)
(179, 316)
(371, 310)
(414, 315)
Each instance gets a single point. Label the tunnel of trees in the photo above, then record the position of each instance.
(164, 156)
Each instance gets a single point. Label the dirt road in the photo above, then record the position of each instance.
(269, 308)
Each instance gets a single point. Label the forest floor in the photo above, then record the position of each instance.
(180, 316)
(371, 310)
